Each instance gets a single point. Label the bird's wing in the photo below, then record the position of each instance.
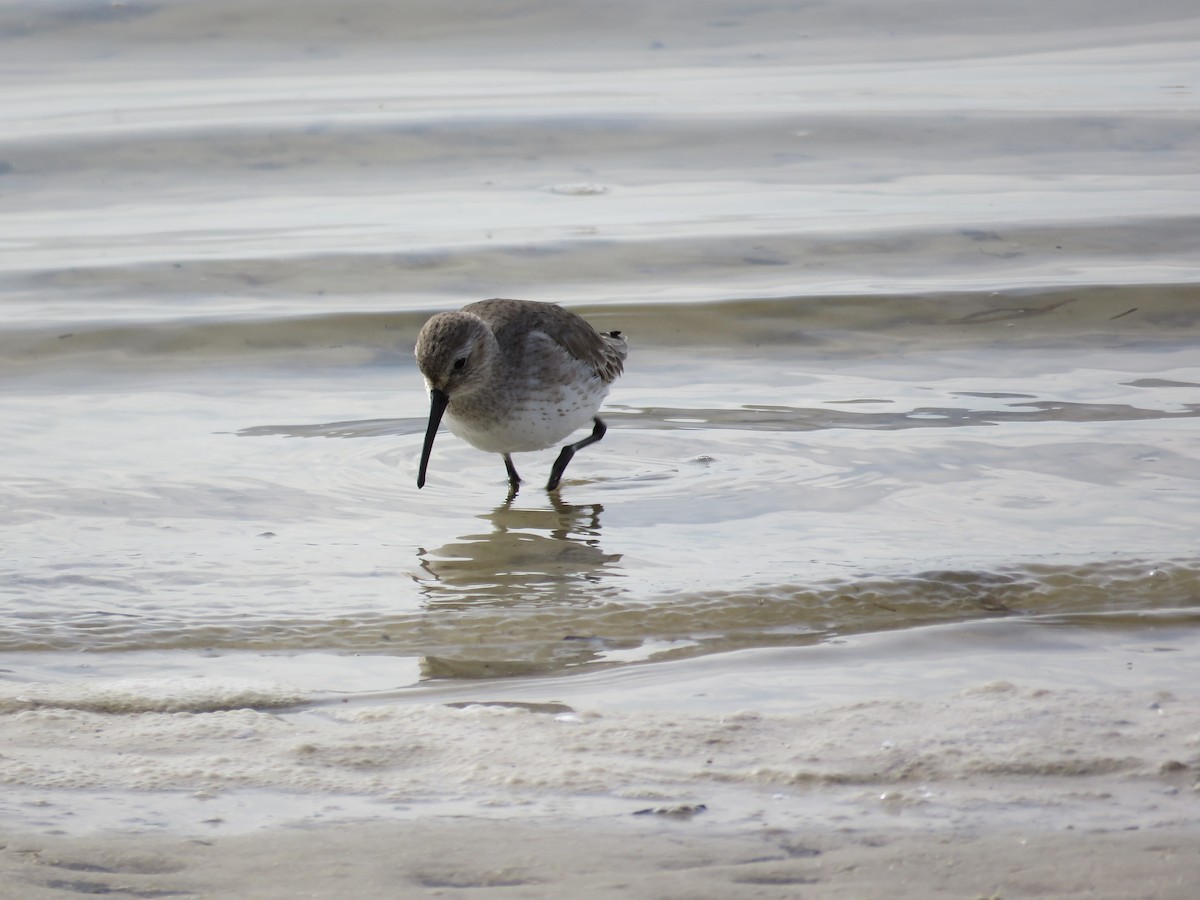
(604, 353)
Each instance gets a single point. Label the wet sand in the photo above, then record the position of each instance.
(997, 790)
(675, 860)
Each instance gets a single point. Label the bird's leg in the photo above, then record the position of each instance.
(560, 464)
(514, 480)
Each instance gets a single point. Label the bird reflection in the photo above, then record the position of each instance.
(541, 556)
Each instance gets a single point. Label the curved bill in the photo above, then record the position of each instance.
(437, 406)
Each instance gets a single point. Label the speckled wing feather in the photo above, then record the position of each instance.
(604, 353)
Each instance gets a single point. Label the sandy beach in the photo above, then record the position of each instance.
(998, 791)
(470, 858)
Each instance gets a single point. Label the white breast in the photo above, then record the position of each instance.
(540, 417)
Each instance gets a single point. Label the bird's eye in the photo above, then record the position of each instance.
(460, 363)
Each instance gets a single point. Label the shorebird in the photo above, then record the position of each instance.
(516, 375)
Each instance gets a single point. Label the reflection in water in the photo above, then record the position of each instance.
(531, 557)
(541, 558)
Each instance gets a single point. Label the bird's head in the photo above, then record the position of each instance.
(455, 352)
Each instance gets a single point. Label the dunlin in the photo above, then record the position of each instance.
(516, 375)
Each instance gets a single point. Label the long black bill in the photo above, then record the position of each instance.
(437, 406)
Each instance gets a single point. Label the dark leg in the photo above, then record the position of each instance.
(560, 464)
(514, 479)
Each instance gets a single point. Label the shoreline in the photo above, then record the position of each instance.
(996, 791)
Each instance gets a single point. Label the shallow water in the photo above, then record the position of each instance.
(914, 309)
(773, 475)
